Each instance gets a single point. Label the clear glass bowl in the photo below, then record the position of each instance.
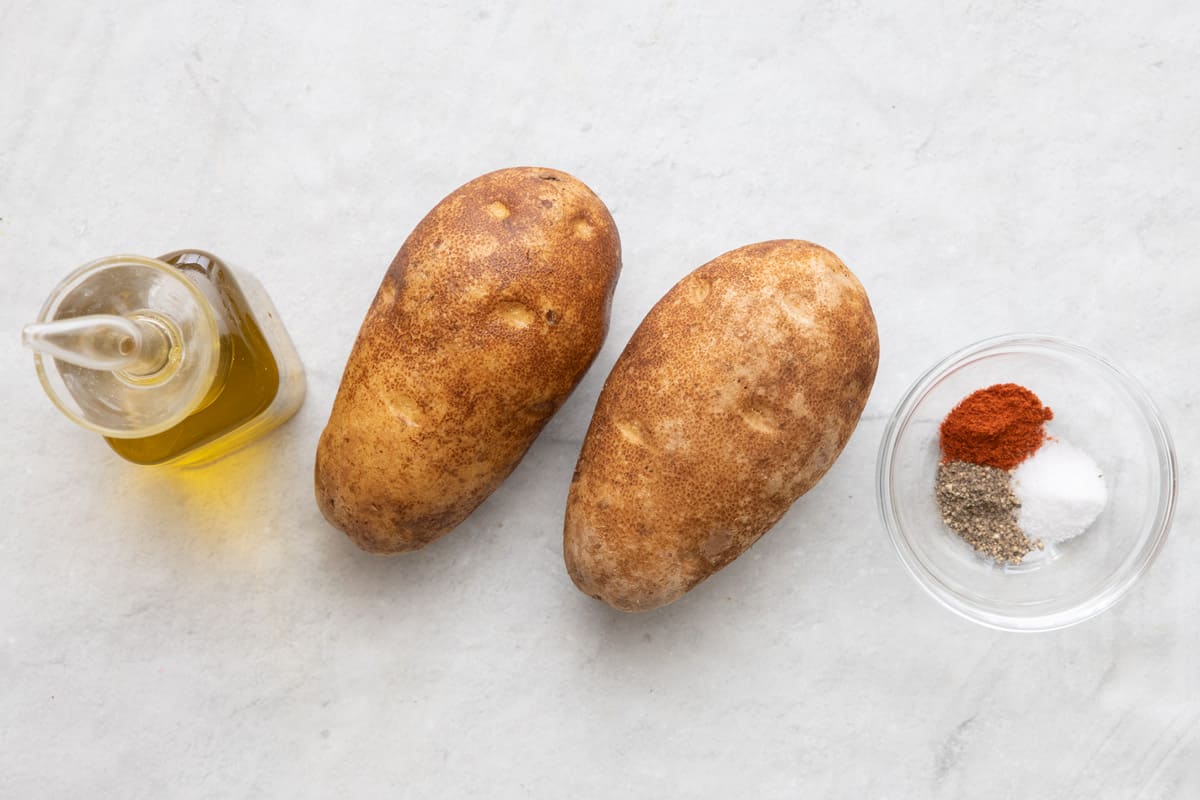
(1099, 408)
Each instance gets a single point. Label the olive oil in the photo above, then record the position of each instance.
(214, 368)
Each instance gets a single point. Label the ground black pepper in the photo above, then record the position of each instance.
(978, 504)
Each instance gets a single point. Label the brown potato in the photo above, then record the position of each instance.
(486, 320)
(734, 396)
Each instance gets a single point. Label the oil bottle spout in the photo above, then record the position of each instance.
(103, 342)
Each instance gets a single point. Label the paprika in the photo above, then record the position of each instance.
(999, 426)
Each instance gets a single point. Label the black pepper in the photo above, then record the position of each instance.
(978, 504)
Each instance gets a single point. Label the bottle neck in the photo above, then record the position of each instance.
(129, 347)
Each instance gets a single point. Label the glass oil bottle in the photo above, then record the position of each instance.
(174, 360)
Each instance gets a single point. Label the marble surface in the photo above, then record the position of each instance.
(1011, 166)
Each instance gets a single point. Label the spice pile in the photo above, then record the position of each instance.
(1004, 485)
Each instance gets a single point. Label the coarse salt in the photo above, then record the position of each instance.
(1061, 490)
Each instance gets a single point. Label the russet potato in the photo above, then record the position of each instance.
(733, 397)
(485, 321)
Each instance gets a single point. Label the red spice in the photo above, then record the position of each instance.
(999, 426)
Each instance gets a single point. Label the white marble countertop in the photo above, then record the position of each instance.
(1011, 167)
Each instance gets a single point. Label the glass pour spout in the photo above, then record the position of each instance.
(103, 342)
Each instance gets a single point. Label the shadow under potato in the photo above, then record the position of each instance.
(508, 556)
(500, 549)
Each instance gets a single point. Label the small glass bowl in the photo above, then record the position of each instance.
(1097, 407)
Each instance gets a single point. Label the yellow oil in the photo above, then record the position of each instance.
(244, 388)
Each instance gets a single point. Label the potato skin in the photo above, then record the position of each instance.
(486, 320)
(734, 396)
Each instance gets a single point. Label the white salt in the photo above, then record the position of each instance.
(1061, 491)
